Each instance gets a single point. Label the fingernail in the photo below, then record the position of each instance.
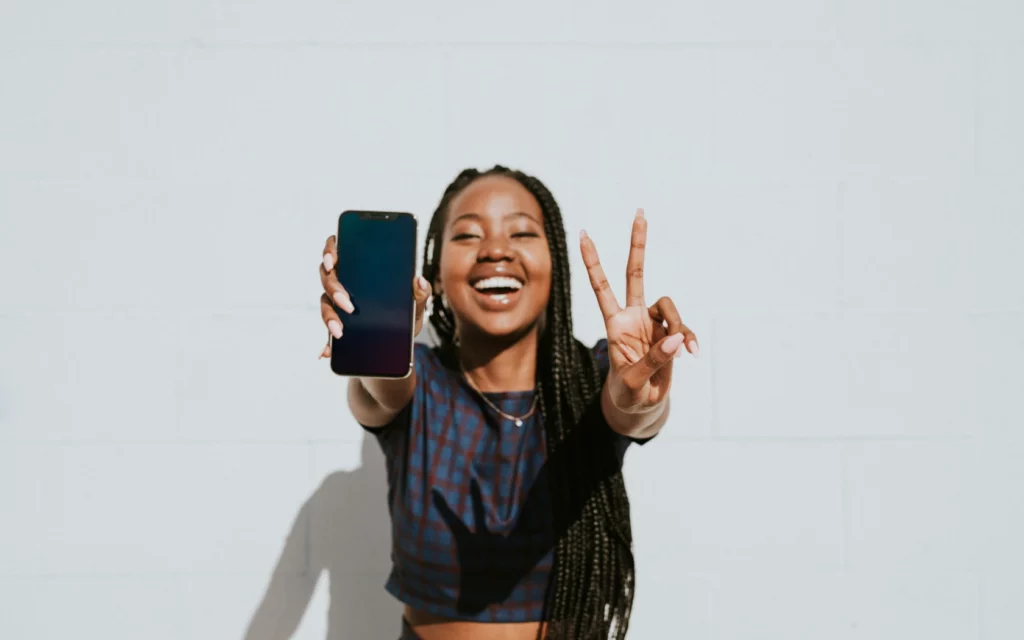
(693, 348)
(640, 213)
(421, 282)
(672, 343)
(328, 261)
(343, 301)
(335, 328)
(583, 234)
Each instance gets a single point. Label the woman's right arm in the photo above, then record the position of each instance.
(374, 402)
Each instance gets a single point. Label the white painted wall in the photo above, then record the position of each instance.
(834, 189)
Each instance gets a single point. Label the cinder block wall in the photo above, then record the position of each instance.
(835, 203)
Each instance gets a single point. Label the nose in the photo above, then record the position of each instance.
(494, 249)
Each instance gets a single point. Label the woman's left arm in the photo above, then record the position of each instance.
(642, 342)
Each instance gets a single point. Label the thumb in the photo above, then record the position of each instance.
(659, 355)
(421, 293)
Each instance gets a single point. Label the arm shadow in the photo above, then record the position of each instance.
(342, 529)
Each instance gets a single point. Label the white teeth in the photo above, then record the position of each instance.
(498, 283)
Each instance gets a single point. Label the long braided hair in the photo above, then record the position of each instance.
(590, 592)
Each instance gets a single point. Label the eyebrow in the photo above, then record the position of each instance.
(514, 214)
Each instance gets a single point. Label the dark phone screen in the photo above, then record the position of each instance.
(376, 263)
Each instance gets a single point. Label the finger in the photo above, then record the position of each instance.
(326, 352)
(333, 288)
(658, 356)
(421, 293)
(635, 262)
(605, 297)
(330, 316)
(664, 310)
(330, 257)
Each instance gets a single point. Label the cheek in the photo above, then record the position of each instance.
(538, 265)
(454, 267)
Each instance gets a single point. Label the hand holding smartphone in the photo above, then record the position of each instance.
(372, 303)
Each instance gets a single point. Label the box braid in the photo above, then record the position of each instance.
(590, 593)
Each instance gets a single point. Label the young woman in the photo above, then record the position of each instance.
(504, 449)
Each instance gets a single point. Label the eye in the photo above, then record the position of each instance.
(464, 236)
(525, 234)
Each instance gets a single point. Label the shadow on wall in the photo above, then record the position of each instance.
(343, 529)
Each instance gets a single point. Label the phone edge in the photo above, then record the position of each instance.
(412, 323)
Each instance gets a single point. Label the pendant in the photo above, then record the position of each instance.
(519, 422)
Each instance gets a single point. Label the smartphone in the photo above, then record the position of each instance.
(376, 265)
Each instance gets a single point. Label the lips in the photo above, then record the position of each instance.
(498, 284)
(497, 292)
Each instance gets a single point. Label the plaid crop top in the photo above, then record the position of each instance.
(471, 520)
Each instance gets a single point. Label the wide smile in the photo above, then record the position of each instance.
(498, 293)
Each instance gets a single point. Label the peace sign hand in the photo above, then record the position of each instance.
(642, 340)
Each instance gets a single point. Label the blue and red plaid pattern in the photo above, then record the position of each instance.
(472, 525)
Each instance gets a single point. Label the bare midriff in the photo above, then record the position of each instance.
(431, 627)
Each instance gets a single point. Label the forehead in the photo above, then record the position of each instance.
(494, 196)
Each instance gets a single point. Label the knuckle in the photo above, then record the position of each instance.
(635, 272)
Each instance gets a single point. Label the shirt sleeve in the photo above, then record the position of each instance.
(600, 351)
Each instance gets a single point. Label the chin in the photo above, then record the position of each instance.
(501, 327)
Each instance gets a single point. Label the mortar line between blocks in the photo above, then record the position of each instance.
(844, 502)
(712, 387)
(981, 605)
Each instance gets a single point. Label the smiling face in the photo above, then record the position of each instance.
(495, 267)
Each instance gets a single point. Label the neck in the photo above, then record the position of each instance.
(500, 364)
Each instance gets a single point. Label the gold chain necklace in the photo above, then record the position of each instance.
(518, 420)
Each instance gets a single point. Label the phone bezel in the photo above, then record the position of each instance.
(386, 215)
